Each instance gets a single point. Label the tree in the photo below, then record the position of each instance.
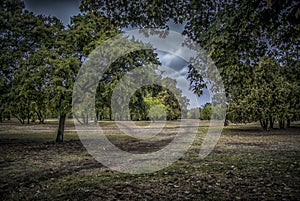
(155, 108)
(165, 97)
(42, 48)
(175, 108)
(65, 68)
(267, 99)
(236, 34)
(244, 38)
(193, 113)
(206, 112)
(74, 45)
(23, 35)
(13, 43)
(238, 44)
(114, 73)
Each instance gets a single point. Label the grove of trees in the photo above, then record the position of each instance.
(254, 44)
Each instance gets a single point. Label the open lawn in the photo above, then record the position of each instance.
(247, 164)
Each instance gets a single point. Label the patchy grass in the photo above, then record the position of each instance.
(247, 164)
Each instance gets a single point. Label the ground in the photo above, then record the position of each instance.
(247, 164)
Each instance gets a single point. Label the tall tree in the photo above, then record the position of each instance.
(23, 35)
(267, 99)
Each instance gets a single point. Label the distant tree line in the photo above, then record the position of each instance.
(205, 113)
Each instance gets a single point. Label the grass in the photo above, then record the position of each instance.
(246, 164)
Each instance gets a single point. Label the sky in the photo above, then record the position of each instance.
(64, 9)
(181, 68)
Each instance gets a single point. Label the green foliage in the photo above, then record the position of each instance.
(24, 40)
(237, 35)
(159, 102)
(271, 97)
(114, 73)
(206, 112)
(255, 46)
(156, 108)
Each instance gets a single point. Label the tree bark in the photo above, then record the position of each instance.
(264, 124)
(226, 122)
(28, 117)
(271, 123)
(22, 121)
(288, 123)
(61, 128)
(86, 122)
(40, 117)
(95, 119)
(281, 124)
(97, 116)
(28, 113)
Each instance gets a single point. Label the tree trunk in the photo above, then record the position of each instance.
(28, 118)
(78, 119)
(271, 123)
(288, 123)
(28, 113)
(40, 117)
(264, 124)
(281, 124)
(22, 121)
(87, 119)
(226, 122)
(61, 128)
(97, 116)
(261, 123)
(95, 119)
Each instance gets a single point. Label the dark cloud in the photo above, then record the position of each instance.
(62, 9)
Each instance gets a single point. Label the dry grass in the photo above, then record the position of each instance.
(247, 164)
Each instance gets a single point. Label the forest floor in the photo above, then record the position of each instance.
(247, 164)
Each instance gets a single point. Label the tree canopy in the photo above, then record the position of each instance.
(254, 44)
(239, 36)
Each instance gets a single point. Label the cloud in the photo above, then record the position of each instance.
(62, 9)
(177, 69)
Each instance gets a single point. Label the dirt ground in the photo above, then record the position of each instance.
(247, 164)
